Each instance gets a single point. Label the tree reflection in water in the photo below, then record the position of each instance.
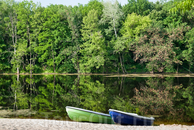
(170, 98)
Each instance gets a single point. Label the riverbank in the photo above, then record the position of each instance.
(42, 124)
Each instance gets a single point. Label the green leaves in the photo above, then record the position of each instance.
(92, 94)
(92, 4)
(183, 6)
(140, 7)
(90, 25)
(92, 49)
(188, 53)
(96, 37)
(134, 24)
(52, 38)
(188, 94)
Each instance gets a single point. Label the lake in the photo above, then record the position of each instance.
(167, 98)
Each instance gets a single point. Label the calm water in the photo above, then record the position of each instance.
(169, 99)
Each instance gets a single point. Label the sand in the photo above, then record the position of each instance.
(43, 124)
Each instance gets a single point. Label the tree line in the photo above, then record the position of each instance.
(99, 37)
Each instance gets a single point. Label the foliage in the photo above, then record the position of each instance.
(92, 94)
(71, 50)
(188, 53)
(92, 4)
(50, 39)
(158, 44)
(53, 36)
(171, 97)
(93, 41)
(112, 14)
(140, 7)
(133, 26)
(156, 97)
(182, 6)
(188, 94)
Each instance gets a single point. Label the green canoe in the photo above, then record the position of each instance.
(83, 115)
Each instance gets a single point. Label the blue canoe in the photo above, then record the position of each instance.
(125, 118)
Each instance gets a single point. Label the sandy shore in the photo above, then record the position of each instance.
(42, 124)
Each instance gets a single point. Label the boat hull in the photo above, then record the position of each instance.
(125, 119)
(82, 115)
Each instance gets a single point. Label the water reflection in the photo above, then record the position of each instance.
(46, 96)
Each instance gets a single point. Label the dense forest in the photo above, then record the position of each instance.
(99, 37)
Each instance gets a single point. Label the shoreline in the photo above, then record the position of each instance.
(44, 124)
(111, 74)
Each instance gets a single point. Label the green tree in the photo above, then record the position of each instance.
(188, 53)
(52, 39)
(4, 53)
(93, 49)
(92, 4)
(74, 19)
(134, 25)
(10, 19)
(131, 29)
(111, 20)
(140, 7)
(25, 25)
(182, 6)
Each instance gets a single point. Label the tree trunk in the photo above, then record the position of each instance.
(118, 68)
(119, 52)
(15, 105)
(177, 70)
(121, 86)
(53, 60)
(124, 64)
(30, 90)
(78, 70)
(121, 63)
(14, 39)
(30, 51)
(53, 89)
